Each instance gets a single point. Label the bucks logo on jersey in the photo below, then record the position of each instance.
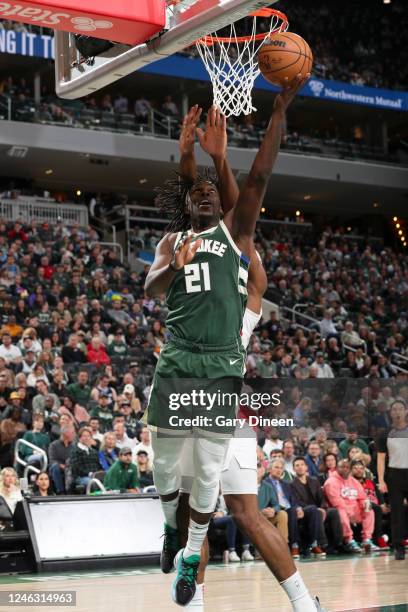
(207, 297)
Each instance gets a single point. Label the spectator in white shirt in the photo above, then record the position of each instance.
(144, 444)
(9, 351)
(327, 327)
(323, 369)
(349, 336)
(122, 439)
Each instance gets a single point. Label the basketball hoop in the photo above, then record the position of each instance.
(231, 61)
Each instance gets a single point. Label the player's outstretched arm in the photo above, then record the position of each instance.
(167, 262)
(214, 142)
(241, 221)
(188, 166)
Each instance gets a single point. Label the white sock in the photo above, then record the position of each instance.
(196, 537)
(197, 603)
(170, 511)
(298, 594)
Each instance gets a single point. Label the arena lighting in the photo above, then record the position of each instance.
(307, 197)
(349, 229)
(376, 204)
(400, 232)
(395, 218)
(298, 213)
(143, 181)
(402, 238)
(397, 225)
(78, 192)
(49, 171)
(387, 1)
(263, 210)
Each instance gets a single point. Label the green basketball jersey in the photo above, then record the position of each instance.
(207, 297)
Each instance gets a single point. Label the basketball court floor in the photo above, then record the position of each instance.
(359, 584)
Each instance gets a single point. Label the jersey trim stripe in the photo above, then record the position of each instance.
(229, 237)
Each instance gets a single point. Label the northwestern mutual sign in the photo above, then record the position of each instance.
(33, 45)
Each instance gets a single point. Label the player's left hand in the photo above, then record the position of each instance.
(188, 130)
(214, 140)
(289, 91)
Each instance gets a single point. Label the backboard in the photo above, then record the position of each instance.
(187, 21)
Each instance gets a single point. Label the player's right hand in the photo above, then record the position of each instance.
(185, 252)
(214, 140)
(188, 130)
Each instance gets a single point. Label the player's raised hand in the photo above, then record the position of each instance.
(289, 91)
(214, 140)
(185, 252)
(188, 130)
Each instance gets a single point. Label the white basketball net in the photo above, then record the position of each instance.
(233, 66)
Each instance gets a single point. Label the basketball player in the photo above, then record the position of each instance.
(206, 295)
(239, 475)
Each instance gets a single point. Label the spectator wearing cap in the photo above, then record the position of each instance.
(117, 314)
(144, 469)
(103, 412)
(80, 391)
(84, 459)
(323, 368)
(352, 439)
(118, 346)
(145, 443)
(29, 362)
(97, 353)
(122, 475)
(108, 452)
(71, 353)
(10, 429)
(9, 351)
(130, 419)
(129, 393)
(347, 495)
(380, 508)
(15, 401)
(58, 454)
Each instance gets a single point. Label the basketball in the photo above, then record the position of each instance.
(284, 55)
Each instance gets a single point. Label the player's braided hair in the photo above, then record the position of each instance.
(171, 198)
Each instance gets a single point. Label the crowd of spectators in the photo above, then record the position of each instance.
(79, 342)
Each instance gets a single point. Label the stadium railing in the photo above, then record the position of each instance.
(27, 466)
(26, 209)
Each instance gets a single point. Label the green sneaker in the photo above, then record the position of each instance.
(171, 546)
(184, 586)
(353, 548)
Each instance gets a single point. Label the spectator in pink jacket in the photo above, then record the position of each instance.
(347, 495)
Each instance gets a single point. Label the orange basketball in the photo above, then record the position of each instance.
(284, 55)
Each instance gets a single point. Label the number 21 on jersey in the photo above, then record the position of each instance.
(197, 277)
